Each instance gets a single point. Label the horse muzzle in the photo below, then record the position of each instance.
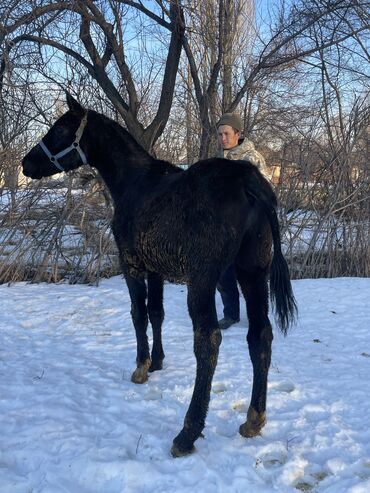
(31, 170)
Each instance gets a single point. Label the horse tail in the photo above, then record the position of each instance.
(281, 292)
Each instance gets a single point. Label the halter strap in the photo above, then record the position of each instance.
(75, 146)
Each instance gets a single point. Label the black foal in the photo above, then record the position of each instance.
(188, 227)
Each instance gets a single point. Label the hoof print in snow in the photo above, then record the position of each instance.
(287, 387)
(304, 486)
(218, 387)
(271, 460)
(240, 406)
(310, 482)
(153, 395)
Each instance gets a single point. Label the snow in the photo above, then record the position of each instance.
(72, 421)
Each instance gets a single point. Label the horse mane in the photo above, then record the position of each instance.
(142, 156)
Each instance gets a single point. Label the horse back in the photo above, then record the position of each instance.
(184, 223)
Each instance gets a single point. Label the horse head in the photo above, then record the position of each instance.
(59, 150)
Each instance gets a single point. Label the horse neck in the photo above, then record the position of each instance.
(115, 154)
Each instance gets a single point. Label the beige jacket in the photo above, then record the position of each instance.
(246, 151)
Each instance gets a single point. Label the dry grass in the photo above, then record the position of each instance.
(53, 234)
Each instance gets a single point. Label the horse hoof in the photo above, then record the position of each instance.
(140, 375)
(248, 431)
(182, 445)
(254, 424)
(178, 452)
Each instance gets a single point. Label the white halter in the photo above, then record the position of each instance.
(75, 146)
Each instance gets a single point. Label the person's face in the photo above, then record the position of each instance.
(228, 136)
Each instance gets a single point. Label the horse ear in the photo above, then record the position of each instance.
(73, 105)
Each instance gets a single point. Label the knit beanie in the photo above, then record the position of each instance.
(232, 119)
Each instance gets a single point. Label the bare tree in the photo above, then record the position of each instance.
(301, 81)
(98, 47)
(291, 41)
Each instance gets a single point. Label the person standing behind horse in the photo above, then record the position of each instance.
(234, 147)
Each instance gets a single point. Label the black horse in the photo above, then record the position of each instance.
(187, 227)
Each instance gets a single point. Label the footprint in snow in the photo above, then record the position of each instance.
(364, 473)
(218, 387)
(32, 322)
(272, 459)
(240, 406)
(286, 386)
(153, 394)
(311, 481)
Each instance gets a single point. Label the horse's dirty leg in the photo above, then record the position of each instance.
(206, 347)
(156, 316)
(255, 291)
(140, 375)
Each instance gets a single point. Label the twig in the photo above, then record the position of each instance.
(37, 377)
(137, 445)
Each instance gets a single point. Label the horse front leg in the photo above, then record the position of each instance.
(138, 293)
(207, 339)
(259, 338)
(156, 316)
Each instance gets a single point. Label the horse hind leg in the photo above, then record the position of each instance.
(156, 316)
(207, 339)
(138, 292)
(255, 291)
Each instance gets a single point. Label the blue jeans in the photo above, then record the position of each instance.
(228, 288)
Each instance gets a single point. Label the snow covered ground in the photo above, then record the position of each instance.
(72, 421)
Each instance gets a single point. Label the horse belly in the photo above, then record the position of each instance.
(163, 256)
